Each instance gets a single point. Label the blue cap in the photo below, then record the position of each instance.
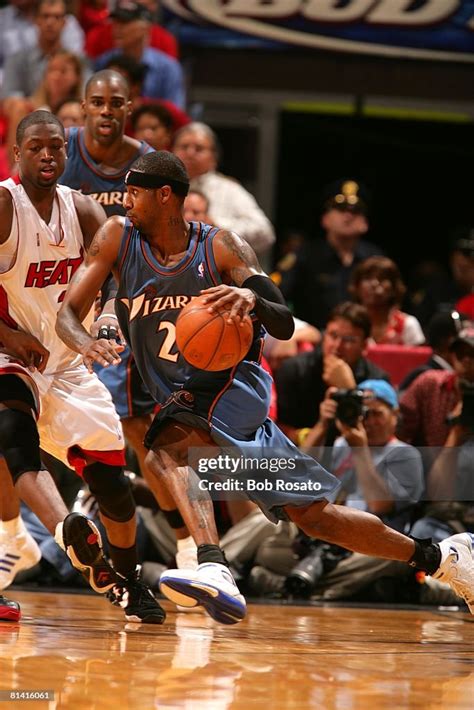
(381, 390)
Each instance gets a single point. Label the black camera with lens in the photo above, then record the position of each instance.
(321, 558)
(350, 405)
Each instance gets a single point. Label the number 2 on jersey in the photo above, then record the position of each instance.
(169, 342)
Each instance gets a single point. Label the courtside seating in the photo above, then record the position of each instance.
(398, 360)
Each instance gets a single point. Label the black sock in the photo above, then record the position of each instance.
(211, 553)
(124, 559)
(427, 555)
(174, 518)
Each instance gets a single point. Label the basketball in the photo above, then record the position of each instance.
(208, 341)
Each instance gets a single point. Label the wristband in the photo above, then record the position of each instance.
(106, 315)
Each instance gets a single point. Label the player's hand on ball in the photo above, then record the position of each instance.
(237, 301)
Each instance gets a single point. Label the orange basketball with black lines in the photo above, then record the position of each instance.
(208, 341)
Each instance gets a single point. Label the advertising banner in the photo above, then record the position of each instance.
(419, 29)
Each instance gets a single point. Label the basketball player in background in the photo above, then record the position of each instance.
(161, 262)
(44, 230)
(99, 156)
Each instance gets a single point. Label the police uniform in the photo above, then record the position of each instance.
(317, 280)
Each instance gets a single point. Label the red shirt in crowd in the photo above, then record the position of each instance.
(425, 405)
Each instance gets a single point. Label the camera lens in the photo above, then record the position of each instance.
(303, 577)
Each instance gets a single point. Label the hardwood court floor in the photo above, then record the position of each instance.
(281, 657)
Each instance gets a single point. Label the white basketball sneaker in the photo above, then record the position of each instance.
(17, 552)
(457, 566)
(211, 585)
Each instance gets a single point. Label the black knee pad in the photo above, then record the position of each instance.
(19, 442)
(111, 488)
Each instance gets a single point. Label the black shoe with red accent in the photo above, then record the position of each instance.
(9, 610)
(137, 600)
(81, 540)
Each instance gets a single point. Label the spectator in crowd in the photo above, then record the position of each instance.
(377, 283)
(153, 124)
(131, 28)
(93, 14)
(196, 207)
(450, 483)
(231, 206)
(70, 113)
(100, 38)
(319, 279)
(446, 292)
(438, 394)
(18, 30)
(442, 330)
(384, 475)
(24, 70)
(305, 338)
(302, 381)
(287, 248)
(62, 80)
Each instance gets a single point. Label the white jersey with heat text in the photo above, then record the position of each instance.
(38, 263)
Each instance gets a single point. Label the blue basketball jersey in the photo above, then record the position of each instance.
(82, 173)
(149, 300)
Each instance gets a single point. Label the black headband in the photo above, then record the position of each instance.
(139, 179)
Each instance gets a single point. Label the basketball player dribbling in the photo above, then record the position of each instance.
(161, 262)
(46, 393)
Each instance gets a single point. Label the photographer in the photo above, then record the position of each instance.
(380, 474)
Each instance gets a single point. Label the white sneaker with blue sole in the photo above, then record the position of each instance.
(211, 585)
(457, 566)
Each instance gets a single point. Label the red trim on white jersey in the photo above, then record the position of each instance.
(77, 457)
(5, 311)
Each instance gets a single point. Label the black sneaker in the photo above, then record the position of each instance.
(137, 600)
(9, 610)
(81, 540)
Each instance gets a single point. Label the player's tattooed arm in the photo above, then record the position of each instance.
(236, 262)
(235, 259)
(253, 291)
